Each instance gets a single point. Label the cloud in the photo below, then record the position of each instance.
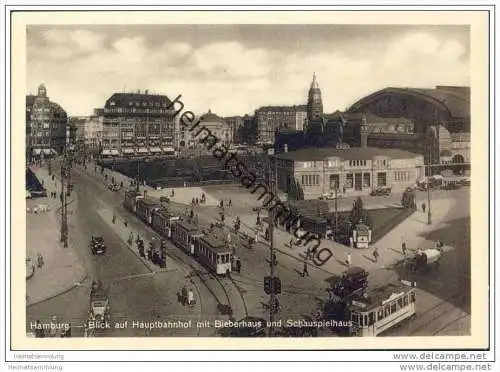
(231, 59)
(82, 68)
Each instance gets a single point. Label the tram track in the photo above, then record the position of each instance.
(441, 304)
(450, 323)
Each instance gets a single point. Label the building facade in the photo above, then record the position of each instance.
(274, 119)
(354, 171)
(46, 124)
(93, 132)
(235, 123)
(218, 127)
(137, 124)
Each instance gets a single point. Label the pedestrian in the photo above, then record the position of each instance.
(39, 261)
(304, 270)
(308, 254)
(125, 222)
(114, 218)
(190, 297)
(404, 249)
(291, 242)
(423, 207)
(348, 259)
(375, 254)
(196, 201)
(230, 203)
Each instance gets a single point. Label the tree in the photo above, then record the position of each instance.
(408, 200)
(359, 213)
(295, 191)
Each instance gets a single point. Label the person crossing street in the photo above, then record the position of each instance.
(304, 270)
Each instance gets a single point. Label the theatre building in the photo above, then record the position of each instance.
(355, 171)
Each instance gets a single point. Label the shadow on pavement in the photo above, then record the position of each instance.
(450, 280)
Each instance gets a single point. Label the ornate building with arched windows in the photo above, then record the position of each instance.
(46, 125)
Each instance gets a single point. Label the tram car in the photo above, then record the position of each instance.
(130, 200)
(185, 235)
(145, 209)
(380, 309)
(213, 251)
(162, 222)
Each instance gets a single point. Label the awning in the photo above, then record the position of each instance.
(155, 149)
(106, 152)
(168, 149)
(37, 151)
(115, 152)
(128, 151)
(143, 151)
(47, 152)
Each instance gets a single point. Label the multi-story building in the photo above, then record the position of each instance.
(235, 123)
(138, 124)
(46, 125)
(78, 122)
(93, 132)
(273, 119)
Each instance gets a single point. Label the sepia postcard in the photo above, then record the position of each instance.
(250, 180)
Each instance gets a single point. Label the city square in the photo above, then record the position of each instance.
(151, 217)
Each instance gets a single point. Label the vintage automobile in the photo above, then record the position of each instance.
(425, 259)
(353, 280)
(451, 185)
(97, 245)
(328, 196)
(465, 182)
(99, 302)
(114, 187)
(381, 191)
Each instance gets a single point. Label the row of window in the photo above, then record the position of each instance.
(144, 104)
(368, 319)
(401, 176)
(310, 180)
(352, 163)
(357, 163)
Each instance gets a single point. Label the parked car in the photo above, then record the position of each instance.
(328, 196)
(450, 186)
(114, 187)
(381, 191)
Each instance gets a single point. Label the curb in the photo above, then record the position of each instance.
(64, 291)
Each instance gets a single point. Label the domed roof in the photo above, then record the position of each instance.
(210, 117)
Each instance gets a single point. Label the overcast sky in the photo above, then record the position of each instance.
(234, 69)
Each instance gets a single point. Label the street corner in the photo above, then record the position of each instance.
(49, 282)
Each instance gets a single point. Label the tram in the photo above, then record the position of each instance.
(212, 250)
(380, 309)
(185, 235)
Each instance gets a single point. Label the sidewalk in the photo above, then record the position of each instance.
(61, 270)
(124, 231)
